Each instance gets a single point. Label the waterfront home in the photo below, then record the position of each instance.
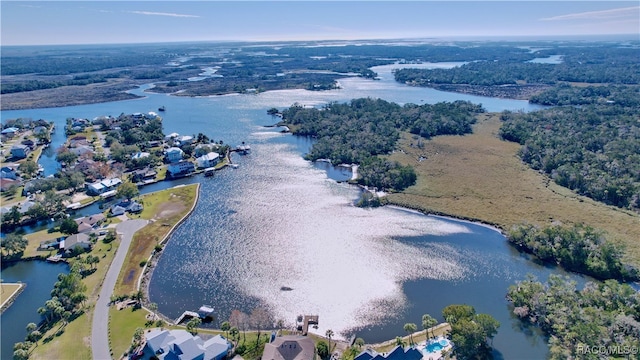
(88, 223)
(82, 151)
(290, 347)
(184, 140)
(182, 168)
(117, 210)
(174, 154)
(143, 175)
(208, 160)
(20, 151)
(75, 243)
(397, 353)
(126, 206)
(103, 186)
(179, 344)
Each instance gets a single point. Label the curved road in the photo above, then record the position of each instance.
(100, 323)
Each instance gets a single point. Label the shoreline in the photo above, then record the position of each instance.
(13, 297)
(152, 260)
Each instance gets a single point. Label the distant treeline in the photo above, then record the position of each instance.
(358, 131)
(579, 248)
(561, 95)
(602, 320)
(592, 149)
(588, 64)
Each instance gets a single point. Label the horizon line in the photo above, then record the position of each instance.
(633, 36)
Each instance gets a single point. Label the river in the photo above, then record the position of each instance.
(278, 220)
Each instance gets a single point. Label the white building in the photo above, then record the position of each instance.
(103, 186)
(209, 160)
(174, 154)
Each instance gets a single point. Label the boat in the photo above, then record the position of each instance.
(209, 171)
(235, 166)
(162, 108)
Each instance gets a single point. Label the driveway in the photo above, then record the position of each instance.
(100, 323)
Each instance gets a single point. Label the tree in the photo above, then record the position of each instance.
(489, 325)
(28, 168)
(454, 313)
(323, 349)
(259, 318)
(192, 325)
(225, 326)
(239, 320)
(127, 190)
(13, 243)
(66, 156)
(329, 334)
(359, 343)
(410, 328)
(428, 322)
(153, 307)
(400, 341)
(234, 332)
(68, 226)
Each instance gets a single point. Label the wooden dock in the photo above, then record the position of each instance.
(308, 320)
(186, 314)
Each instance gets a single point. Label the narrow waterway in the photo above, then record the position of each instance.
(40, 277)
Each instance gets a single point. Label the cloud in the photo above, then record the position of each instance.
(598, 15)
(163, 14)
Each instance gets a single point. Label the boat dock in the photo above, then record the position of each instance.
(186, 314)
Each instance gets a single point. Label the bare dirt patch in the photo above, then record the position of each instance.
(169, 209)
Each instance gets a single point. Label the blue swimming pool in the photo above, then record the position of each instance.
(436, 346)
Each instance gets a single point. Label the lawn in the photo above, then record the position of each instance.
(65, 344)
(166, 208)
(480, 177)
(122, 325)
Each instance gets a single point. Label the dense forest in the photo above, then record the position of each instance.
(358, 131)
(579, 248)
(595, 64)
(581, 323)
(593, 149)
(564, 94)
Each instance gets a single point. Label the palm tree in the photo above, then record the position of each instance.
(153, 307)
(225, 326)
(410, 328)
(359, 343)
(428, 322)
(400, 341)
(329, 334)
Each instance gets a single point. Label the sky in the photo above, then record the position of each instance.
(103, 22)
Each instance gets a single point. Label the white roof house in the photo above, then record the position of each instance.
(179, 344)
(208, 160)
(103, 186)
(174, 154)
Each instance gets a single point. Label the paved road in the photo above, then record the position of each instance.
(100, 325)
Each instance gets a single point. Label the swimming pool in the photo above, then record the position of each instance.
(436, 346)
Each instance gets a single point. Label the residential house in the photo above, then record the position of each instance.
(180, 344)
(209, 160)
(38, 130)
(75, 242)
(82, 150)
(103, 186)
(126, 206)
(140, 155)
(89, 223)
(182, 168)
(30, 143)
(184, 140)
(9, 172)
(20, 151)
(397, 353)
(174, 154)
(143, 175)
(290, 347)
(10, 132)
(6, 183)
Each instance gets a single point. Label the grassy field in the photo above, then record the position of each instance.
(8, 290)
(480, 177)
(122, 325)
(165, 209)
